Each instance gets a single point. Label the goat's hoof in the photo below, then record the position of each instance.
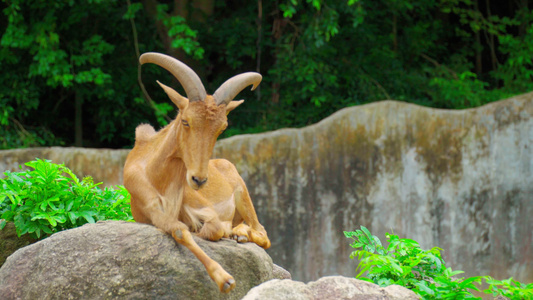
(228, 286)
(239, 238)
(178, 234)
(260, 238)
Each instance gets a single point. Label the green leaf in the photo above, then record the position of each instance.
(8, 215)
(52, 221)
(422, 286)
(469, 281)
(45, 229)
(22, 229)
(73, 217)
(132, 10)
(54, 208)
(366, 231)
(348, 234)
(392, 246)
(451, 274)
(396, 267)
(87, 217)
(60, 218)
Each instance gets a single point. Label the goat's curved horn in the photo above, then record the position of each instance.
(186, 76)
(229, 89)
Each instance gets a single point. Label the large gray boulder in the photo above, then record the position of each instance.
(326, 288)
(111, 260)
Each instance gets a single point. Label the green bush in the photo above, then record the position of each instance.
(509, 288)
(404, 263)
(50, 198)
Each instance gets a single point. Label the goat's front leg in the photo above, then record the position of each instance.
(180, 232)
(252, 231)
(224, 280)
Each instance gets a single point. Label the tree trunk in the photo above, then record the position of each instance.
(477, 48)
(151, 10)
(190, 10)
(490, 40)
(78, 123)
(394, 32)
(523, 11)
(258, 44)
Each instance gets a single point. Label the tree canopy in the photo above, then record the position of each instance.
(71, 74)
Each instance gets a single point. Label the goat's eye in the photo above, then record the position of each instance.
(185, 123)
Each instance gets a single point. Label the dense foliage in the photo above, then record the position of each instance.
(50, 198)
(404, 263)
(71, 75)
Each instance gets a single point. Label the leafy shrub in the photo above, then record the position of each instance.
(50, 198)
(404, 263)
(509, 288)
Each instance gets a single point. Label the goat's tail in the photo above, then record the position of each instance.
(144, 132)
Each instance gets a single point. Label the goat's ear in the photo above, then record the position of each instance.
(232, 105)
(180, 101)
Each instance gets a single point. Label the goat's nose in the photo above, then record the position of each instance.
(199, 181)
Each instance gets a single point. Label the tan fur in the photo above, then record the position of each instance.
(159, 175)
(144, 132)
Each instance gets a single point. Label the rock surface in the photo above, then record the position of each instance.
(112, 260)
(461, 180)
(328, 288)
(10, 242)
(280, 273)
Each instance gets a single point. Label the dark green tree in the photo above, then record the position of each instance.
(73, 78)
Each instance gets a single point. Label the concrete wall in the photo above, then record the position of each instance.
(460, 180)
(104, 165)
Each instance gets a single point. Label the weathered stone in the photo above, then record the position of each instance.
(278, 289)
(111, 260)
(104, 165)
(328, 288)
(280, 273)
(11, 242)
(461, 180)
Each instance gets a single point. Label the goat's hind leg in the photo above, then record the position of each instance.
(207, 223)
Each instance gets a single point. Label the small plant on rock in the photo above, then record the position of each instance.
(509, 288)
(50, 198)
(404, 263)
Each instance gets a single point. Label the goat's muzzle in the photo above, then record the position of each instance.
(196, 182)
(199, 181)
